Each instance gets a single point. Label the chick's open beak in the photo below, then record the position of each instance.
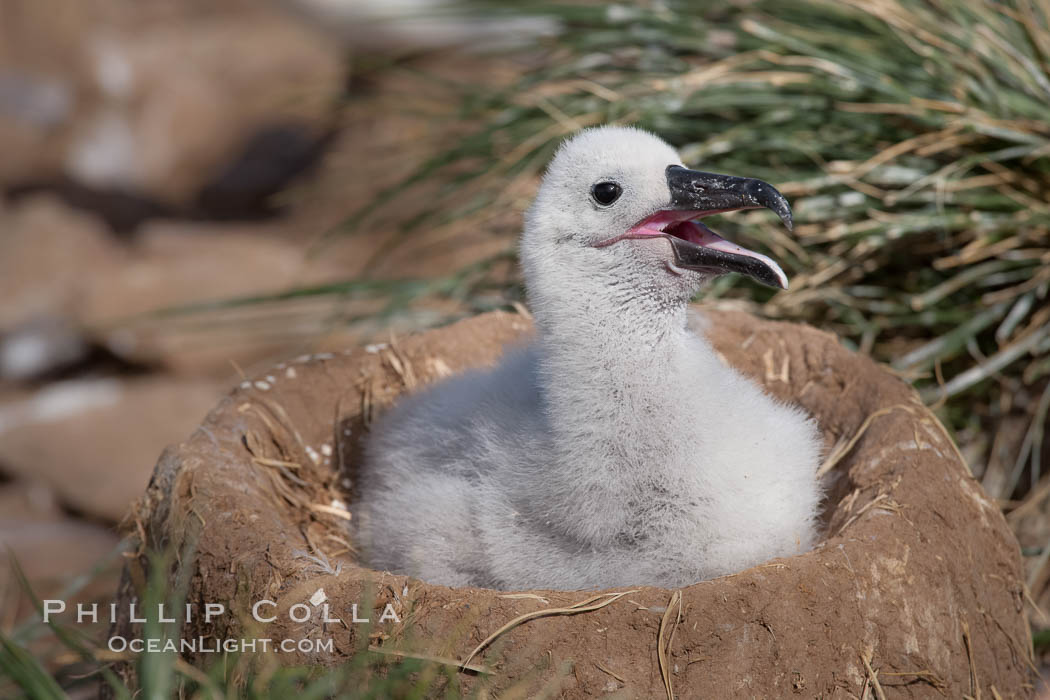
(696, 194)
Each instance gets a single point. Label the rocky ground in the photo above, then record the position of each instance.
(166, 154)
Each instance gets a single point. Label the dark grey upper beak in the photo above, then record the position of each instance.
(711, 193)
(692, 189)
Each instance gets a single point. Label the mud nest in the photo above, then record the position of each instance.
(916, 586)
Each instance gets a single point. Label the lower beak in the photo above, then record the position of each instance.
(717, 255)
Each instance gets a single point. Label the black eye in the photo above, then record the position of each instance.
(606, 192)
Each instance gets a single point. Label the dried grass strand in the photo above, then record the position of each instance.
(873, 677)
(668, 626)
(443, 660)
(975, 685)
(331, 510)
(610, 672)
(841, 450)
(583, 606)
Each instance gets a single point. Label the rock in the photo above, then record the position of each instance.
(248, 185)
(51, 255)
(39, 347)
(122, 211)
(51, 548)
(62, 265)
(177, 264)
(153, 99)
(94, 441)
(197, 88)
(408, 26)
(32, 105)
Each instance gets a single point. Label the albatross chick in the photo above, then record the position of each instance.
(616, 449)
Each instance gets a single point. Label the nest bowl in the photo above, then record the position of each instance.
(917, 584)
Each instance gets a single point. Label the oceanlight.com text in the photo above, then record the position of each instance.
(207, 645)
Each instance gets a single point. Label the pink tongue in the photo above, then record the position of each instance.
(709, 239)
